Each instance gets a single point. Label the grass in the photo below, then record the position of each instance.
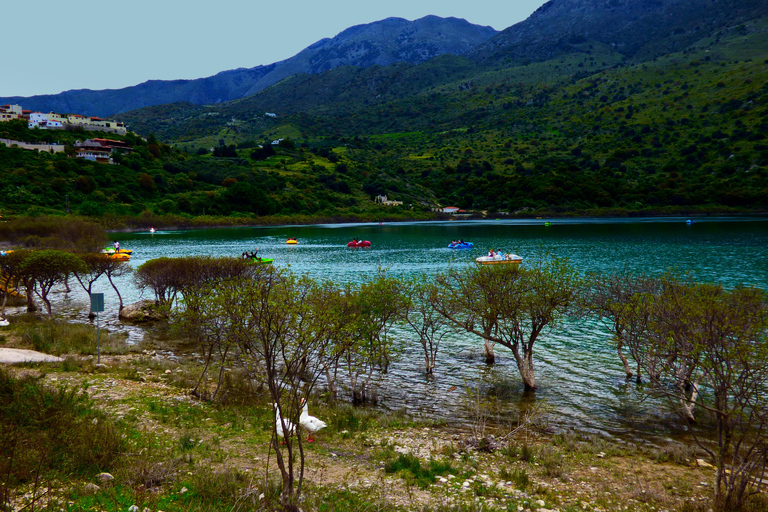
(60, 338)
(410, 468)
(177, 453)
(50, 431)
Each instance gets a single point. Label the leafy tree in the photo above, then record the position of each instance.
(378, 304)
(48, 268)
(285, 331)
(510, 305)
(707, 348)
(609, 297)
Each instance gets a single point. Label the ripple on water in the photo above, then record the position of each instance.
(578, 372)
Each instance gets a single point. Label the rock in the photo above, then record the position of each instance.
(133, 508)
(703, 464)
(540, 503)
(104, 477)
(143, 311)
(92, 488)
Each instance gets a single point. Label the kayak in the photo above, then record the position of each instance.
(292, 241)
(461, 245)
(359, 243)
(119, 256)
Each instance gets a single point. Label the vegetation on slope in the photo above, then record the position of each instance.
(586, 132)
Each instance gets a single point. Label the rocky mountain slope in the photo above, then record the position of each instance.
(636, 28)
(380, 43)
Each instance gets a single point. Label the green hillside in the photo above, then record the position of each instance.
(585, 133)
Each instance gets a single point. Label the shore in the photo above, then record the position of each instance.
(192, 446)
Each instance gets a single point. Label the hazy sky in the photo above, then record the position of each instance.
(50, 46)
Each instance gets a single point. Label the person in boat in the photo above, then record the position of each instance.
(117, 246)
(491, 253)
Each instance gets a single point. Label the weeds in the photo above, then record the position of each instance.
(517, 476)
(409, 466)
(57, 338)
(50, 431)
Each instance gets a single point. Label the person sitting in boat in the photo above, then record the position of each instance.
(491, 254)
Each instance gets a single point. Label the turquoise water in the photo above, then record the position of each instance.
(577, 371)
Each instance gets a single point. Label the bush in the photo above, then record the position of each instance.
(48, 431)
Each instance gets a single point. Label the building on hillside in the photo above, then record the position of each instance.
(96, 124)
(451, 209)
(45, 121)
(383, 200)
(100, 150)
(9, 112)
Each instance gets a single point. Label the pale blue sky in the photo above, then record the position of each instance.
(50, 46)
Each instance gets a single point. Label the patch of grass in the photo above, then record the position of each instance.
(51, 431)
(551, 461)
(673, 452)
(517, 476)
(409, 466)
(331, 500)
(57, 338)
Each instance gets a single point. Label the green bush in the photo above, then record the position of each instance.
(50, 430)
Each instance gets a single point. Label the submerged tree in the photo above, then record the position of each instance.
(422, 316)
(609, 297)
(510, 305)
(376, 306)
(707, 347)
(47, 268)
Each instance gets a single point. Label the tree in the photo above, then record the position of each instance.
(201, 317)
(285, 328)
(12, 278)
(48, 268)
(512, 304)
(116, 268)
(709, 350)
(609, 297)
(422, 315)
(376, 307)
(97, 265)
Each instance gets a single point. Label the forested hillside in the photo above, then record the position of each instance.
(588, 132)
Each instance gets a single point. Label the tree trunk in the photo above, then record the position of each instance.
(527, 373)
(31, 304)
(687, 403)
(624, 361)
(525, 367)
(490, 357)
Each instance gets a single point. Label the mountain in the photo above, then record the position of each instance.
(639, 29)
(375, 44)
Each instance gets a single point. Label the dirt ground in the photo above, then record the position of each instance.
(570, 475)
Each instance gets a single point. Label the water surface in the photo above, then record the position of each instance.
(577, 371)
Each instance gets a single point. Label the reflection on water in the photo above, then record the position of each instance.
(577, 370)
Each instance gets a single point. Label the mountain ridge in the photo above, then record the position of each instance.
(379, 43)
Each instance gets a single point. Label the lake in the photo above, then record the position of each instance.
(578, 373)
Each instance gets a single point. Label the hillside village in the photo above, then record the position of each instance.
(97, 149)
(54, 121)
